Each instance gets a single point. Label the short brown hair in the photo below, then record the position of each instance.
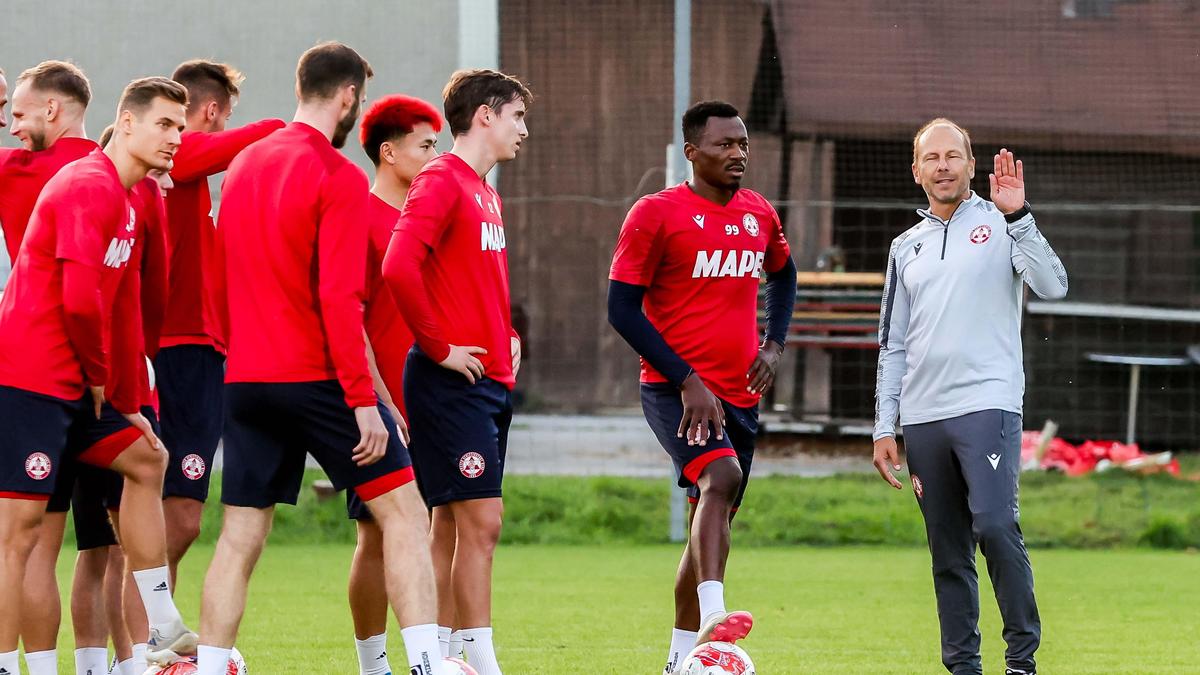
(939, 121)
(106, 136)
(469, 89)
(208, 81)
(140, 94)
(61, 78)
(329, 66)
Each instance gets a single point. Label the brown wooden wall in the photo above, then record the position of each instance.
(602, 75)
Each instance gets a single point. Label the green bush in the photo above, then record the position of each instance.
(1108, 510)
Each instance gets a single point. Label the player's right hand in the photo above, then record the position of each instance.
(139, 422)
(97, 399)
(462, 360)
(700, 409)
(401, 425)
(372, 445)
(887, 459)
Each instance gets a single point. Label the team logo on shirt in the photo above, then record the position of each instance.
(750, 224)
(471, 465)
(918, 486)
(981, 234)
(132, 220)
(699, 220)
(193, 467)
(37, 465)
(727, 264)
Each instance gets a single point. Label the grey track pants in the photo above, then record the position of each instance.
(964, 472)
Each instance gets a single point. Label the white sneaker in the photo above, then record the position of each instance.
(163, 650)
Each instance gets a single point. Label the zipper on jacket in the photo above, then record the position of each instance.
(945, 224)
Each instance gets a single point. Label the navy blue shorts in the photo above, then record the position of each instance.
(97, 491)
(91, 491)
(33, 441)
(270, 426)
(663, 405)
(459, 431)
(191, 395)
(355, 508)
(94, 443)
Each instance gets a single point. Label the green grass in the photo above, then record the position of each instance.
(607, 609)
(1103, 511)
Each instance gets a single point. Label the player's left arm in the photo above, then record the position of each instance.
(342, 243)
(780, 301)
(381, 390)
(202, 154)
(154, 273)
(1032, 256)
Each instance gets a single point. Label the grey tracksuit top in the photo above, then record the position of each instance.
(950, 319)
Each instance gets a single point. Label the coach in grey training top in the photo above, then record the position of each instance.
(950, 365)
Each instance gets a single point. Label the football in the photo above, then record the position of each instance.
(237, 666)
(453, 666)
(717, 658)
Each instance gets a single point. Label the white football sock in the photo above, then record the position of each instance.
(42, 663)
(212, 660)
(444, 639)
(10, 664)
(712, 599)
(372, 655)
(127, 667)
(155, 588)
(421, 644)
(139, 659)
(682, 642)
(91, 661)
(456, 645)
(481, 654)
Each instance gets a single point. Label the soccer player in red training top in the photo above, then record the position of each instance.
(191, 365)
(49, 102)
(97, 610)
(93, 493)
(58, 308)
(48, 106)
(293, 238)
(448, 268)
(399, 135)
(692, 255)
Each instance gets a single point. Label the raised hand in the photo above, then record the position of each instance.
(1008, 182)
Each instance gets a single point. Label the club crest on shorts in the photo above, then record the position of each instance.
(37, 465)
(918, 486)
(471, 465)
(193, 466)
(981, 234)
(750, 224)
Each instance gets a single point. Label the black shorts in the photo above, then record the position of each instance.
(97, 492)
(459, 431)
(94, 443)
(663, 405)
(191, 394)
(271, 426)
(355, 508)
(33, 441)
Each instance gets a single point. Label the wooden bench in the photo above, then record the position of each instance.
(835, 310)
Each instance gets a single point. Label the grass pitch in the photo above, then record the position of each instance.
(607, 609)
